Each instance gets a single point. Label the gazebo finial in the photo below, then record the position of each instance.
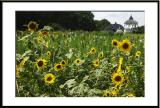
(131, 18)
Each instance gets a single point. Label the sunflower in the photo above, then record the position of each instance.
(32, 26)
(48, 53)
(45, 33)
(101, 55)
(125, 46)
(115, 43)
(58, 67)
(106, 93)
(41, 63)
(138, 53)
(93, 50)
(20, 65)
(78, 62)
(113, 93)
(109, 93)
(117, 87)
(63, 62)
(49, 79)
(39, 40)
(95, 63)
(130, 95)
(117, 78)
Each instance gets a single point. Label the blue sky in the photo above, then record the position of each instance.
(120, 17)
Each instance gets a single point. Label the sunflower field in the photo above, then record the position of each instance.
(78, 63)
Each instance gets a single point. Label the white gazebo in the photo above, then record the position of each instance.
(130, 24)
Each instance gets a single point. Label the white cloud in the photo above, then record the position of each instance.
(120, 17)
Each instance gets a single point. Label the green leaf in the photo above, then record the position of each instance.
(70, 83)
(69, 55)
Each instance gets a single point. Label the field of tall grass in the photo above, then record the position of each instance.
(79, 64)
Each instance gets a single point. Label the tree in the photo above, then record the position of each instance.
(101, 24)
(139, 30)
(74, 20)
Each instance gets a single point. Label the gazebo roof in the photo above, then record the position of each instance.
(131, 21)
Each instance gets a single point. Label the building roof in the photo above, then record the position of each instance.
(131, 21)
(117, 26)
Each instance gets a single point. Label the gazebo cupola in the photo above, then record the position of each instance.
(130, 24)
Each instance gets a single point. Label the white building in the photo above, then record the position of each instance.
(130, 24)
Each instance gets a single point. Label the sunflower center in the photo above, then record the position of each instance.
(49, 78)
(63, 62)
(78, 61)
(115, 43)
(32, 26)
(40, 63)
(58, 66)
(93, 50)
(118, 78)
(97, 62)
(48, 53)
(125, 45)
(45, 33)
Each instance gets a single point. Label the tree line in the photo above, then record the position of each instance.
(61, 20)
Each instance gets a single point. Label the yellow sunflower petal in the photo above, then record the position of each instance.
(58, 67)
(115, 43)
(125, 46)
(49, 79)
(95, 63)
(32, 26)
(41, 63)
(117, 78)
(78, 61)
(63, 62)
(93, 50)
(138, 53)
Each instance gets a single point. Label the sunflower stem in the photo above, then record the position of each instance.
(17, 87)
(96, 81)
